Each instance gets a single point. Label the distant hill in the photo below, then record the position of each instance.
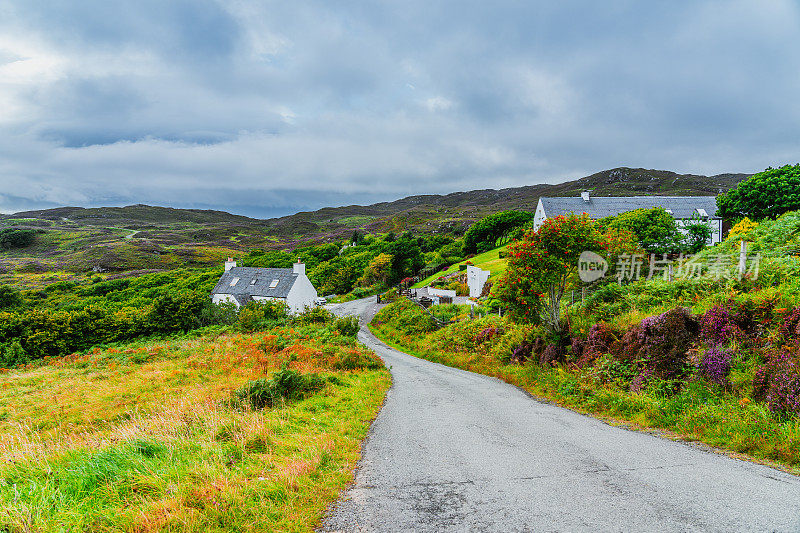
(145, 238)
(133, 214)
(462, 208)
(454, 211)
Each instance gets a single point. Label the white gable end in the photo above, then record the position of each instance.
(302, 295)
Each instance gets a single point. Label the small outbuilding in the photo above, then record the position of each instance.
(242, 285)
(476, 280)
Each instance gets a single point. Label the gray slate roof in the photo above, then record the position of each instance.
(263, 277)
(607, 206)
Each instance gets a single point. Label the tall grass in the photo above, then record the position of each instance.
(149, 444)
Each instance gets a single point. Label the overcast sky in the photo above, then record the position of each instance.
(266, 108)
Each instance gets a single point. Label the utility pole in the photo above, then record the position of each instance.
(742, 259)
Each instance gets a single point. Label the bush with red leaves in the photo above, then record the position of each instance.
(662, 343)
(602, 339)
(777, 382)
(552, 355)
(791, 324)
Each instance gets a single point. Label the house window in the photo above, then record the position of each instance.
(702, 212)
(274, 283)
(234, 281)
(668, 211)
(253, 281)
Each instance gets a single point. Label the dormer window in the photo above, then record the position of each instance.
(668, 211)
(274, 283)
(253, 281)
(702, 212)
(234, 281)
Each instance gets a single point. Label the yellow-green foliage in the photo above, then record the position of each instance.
(140, 438)
(743, 227)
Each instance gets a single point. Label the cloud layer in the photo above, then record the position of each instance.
(265, 108)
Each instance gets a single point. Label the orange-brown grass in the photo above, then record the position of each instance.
(102, 442)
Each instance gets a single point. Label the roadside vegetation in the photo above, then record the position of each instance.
(710, 356)
(220, 429)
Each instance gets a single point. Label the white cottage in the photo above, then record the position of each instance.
(241, 285)
(684, 209)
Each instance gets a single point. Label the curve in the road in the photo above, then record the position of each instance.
(456, 451)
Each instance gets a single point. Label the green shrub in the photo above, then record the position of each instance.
(263, 314)
(357, 360)
(9, 297)
(12, 354)
(766, 194)
(284, 385)
(482, 235)
(607, 294)
(16, 238)
(315, 315)
(347, 326)
(389, 296)
(177, 311)
(223, 313)
(406, 317)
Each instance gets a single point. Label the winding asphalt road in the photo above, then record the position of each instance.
(457, 451)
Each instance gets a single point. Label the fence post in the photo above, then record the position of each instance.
(742, 259)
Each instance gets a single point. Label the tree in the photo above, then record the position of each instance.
(486, 231)
(177, 311)
(16, 238)
(767, 194)
(655, 229)
(697, 235)
(9, 297)
(378, 270)
(542, 263)
(357, 238)
(407, 258)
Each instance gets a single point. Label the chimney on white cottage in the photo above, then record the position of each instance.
(299, 268)
(585, 196)
(229, 264)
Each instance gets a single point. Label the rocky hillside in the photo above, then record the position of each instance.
(146, 237)
(460, 209)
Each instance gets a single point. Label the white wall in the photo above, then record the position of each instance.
(476, 279)
(441, 292)
(539, 216)
(302, 294)
(219, 298)
(714, 224)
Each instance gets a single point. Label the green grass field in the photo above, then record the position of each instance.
(142, 437)
(486, 261)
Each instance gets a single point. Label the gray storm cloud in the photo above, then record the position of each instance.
(270, 107)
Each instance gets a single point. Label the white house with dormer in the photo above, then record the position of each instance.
(241, 285)
(684, 209)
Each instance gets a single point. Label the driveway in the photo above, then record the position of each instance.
(457, 451)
